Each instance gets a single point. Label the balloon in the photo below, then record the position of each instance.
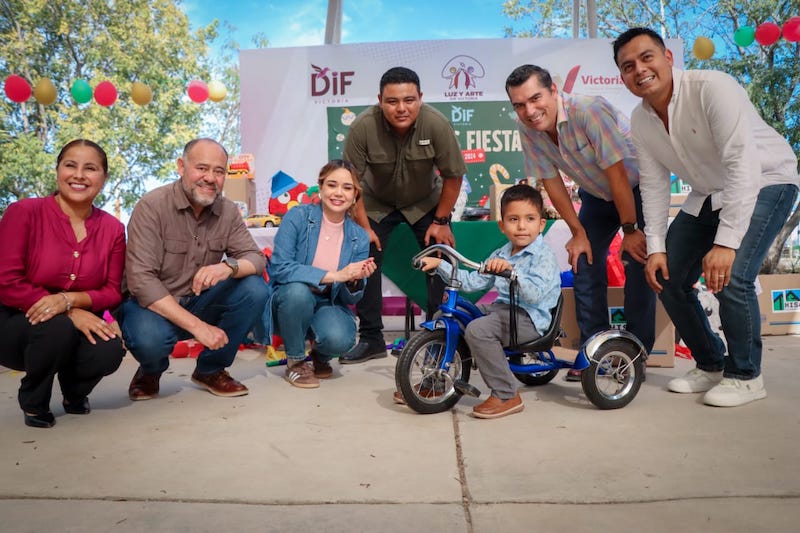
(216, 91)
(81, 91)
(17, 88)
(140, 93)
(703, 48)
(767, 33)
(45, 92)
(198, 91)
(105, 93)
(744, 36)
(791, 30)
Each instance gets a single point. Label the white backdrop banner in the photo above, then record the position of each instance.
(296, 103)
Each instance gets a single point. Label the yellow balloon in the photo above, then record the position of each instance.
(45, 92)
(140, 93)
(703, 48)
(216, 91)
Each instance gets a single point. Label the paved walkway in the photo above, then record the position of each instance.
(345, 458)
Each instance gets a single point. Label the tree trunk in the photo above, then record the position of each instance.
(770, 264)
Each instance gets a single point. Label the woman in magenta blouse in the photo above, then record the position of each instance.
(60, 269)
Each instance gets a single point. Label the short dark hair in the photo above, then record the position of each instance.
(84, 142)
(522, 73)
(629, 35)
(522, 192)
(399, 75)
(190, 145)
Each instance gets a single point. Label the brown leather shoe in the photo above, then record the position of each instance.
(322, 369)
(219, 383)
(143, 386)
(425, 392)
(495, 407)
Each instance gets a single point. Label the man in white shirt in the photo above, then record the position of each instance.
(701, 126)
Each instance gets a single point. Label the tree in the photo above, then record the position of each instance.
(771, 74)
(121, 41)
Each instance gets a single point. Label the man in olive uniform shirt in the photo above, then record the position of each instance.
(411, 167)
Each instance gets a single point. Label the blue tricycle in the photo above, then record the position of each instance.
(433, 369)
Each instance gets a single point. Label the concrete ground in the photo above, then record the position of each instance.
(345, 458)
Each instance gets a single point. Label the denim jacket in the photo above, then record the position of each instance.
(293, 253)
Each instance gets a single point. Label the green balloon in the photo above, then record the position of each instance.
(81, 91)
(744, 36)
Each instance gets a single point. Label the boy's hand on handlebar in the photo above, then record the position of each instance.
(496, 265)
(429, 263)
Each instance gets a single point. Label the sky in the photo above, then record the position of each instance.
(302, 22)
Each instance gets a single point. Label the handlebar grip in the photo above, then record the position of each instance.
(505, 273)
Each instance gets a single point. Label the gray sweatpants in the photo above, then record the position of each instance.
(486, 337)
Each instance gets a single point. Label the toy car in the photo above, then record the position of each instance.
(262, 221)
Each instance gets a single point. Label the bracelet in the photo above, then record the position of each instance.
(69, 303)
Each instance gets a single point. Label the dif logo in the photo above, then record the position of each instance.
(461, 115)
(324, 81)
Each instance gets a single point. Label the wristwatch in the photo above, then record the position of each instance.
(233, 263)
(627, 229)
(441, 221)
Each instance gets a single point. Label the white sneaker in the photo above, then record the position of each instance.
(732, 392)
(695, 380)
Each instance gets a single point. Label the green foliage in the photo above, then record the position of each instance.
(96, 40)
(771, 74)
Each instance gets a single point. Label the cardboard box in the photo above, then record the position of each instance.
(675, 203)
(663, 353)
(779, 303)
(241, 190)
(495, 193)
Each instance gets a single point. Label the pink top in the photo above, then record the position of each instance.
(329, 246)
(41, 256)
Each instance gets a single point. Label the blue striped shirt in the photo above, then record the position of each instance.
(537, 272)
(592, 136)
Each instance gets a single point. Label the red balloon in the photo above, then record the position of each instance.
(105, 93)
(767, 33)
(791, 30)
(198, 91)
(17, 88)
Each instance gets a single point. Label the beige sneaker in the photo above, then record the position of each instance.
(302, 375)
(732, 392)
(695, 380)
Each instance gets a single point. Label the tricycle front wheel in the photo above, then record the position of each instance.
(426, 387)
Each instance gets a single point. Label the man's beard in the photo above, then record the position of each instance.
(193, 192)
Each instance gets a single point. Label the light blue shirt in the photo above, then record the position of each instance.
(537, 272)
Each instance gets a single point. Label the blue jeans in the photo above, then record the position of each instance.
(689, 238)
(232, 305)
(301, 314)
(601, 221)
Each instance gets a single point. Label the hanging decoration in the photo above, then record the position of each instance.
(791, 30)
(216, 91)
(17, 88)
(141, 94)
(703, 48)
(767, 33)
(105, 93)
(45, 92)
(744, 36)
(197, 91)
(81, 91)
